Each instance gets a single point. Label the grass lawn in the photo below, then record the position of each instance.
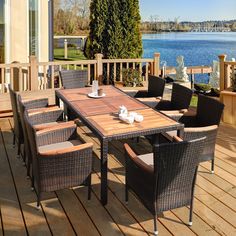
(194, 101)
(73, 54)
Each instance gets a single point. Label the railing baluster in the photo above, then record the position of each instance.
(20, 79)
(140, 68)
(3, 79)
(108, 73)
(146, 74)
(82, 67)
(11, 77)
(60, 68)
(95, 71)
(121, 74)
(89, 73)
(44, 77)
(114, 72)
(52, 78)
(75, 66)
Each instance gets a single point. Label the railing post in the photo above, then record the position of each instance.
(222, 71)
(156, 66)
(99, 57)
(16, 81)
(33, 75)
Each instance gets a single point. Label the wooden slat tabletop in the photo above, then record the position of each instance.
(110, 124)
(82, 93)
(106, 105)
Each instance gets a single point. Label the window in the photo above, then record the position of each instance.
(33, 27)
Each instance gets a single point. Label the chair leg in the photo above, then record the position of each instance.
(212, 166)
(89, 187)
(126, 194)
(24, 155)
(191, 213)
(38, 200)
(32, 182)
(18, 149)
(28, 169)
(155, 224)
(14, 139)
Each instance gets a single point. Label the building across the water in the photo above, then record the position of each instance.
(24, 30)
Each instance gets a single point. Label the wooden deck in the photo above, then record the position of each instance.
(68, 212)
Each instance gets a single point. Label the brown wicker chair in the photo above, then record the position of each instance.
(153, 95)
(17, 130)
(204, 122)
(74, 78)
(51, 116)
(165, 179)
(60, 159)
(180, 100)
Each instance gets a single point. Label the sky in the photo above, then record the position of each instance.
(188, 10)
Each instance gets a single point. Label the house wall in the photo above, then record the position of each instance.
(19, 31)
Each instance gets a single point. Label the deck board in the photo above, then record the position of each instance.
(68, 212)
(11, 215)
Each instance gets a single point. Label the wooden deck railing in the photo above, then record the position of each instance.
(16, 74)
(43, 75)
(227, 70)
(36, 75)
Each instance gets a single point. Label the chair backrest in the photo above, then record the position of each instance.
(209, 111)
(175, 167)
(74, 78)
(30, 134)
(16, 118)
(156, 86)
(181, 97)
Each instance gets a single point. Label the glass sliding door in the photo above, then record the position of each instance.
(33, 27)
(2, 32)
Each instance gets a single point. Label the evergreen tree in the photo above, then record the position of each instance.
(114, 29)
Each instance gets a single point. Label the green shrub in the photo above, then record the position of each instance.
(132, 78)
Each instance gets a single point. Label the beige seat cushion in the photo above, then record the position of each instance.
(58, 146)
(147, 158)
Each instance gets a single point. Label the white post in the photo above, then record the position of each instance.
(65, 49)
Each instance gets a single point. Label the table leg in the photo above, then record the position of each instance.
(180, 133)
(104, 153)
(57, 100)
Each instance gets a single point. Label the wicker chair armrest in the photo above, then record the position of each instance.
(46, 116)
(60, 133)
(177, 139)
(42, 109)
(201, 129)
(139, 163)
(37, 103)
(79, 148)
(167, 138)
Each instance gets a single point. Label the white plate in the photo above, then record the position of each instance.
(94, 95)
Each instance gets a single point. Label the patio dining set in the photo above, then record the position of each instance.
(57, 157)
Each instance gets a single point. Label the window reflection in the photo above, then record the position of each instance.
(2, 33)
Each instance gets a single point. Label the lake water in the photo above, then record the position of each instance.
(197, 48)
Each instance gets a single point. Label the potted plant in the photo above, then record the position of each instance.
(132, 78)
